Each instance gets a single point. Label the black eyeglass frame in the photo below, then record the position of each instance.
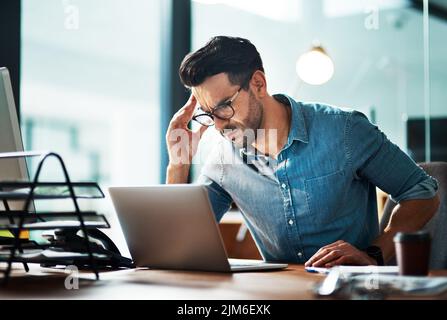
(212, 114)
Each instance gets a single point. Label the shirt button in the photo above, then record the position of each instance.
(283, 186)
(290, 221)
(299, 254)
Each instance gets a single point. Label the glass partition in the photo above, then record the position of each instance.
(382, 60)
(90, 90)
(90, 86)
(377, 50)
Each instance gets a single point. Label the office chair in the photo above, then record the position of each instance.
(437, 226)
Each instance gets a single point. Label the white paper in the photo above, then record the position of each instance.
(357, 269)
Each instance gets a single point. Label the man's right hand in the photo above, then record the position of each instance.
(182, 143)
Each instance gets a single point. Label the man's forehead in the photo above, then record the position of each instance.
(213, 90)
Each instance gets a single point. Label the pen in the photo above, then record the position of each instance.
(317, 270)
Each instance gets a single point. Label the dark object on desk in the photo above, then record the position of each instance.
(438, 224)
(81, 251)
(413, 252)
(71, 240)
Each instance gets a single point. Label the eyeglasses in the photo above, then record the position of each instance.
(223, 111)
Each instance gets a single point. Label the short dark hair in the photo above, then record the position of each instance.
(237, 57)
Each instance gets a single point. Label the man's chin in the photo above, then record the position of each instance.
(239, 137)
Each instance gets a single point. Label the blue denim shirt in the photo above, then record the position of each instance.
(321, 188)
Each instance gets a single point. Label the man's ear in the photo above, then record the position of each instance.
(258, 84)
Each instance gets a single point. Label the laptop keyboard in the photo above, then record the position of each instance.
(242, 263)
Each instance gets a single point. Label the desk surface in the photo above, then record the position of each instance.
(291, 283)
(40, 283)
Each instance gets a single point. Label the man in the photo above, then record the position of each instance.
(307, 191)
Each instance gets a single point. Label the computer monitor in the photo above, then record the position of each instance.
(416, 139)
(10, 137)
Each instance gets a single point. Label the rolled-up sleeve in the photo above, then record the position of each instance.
(375, 158)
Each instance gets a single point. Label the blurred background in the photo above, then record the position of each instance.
(96, 80)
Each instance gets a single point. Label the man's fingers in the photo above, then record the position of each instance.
(322, 252)
(317, 256)
(337, 253)
(339, 261)
(331, 256)
(189, 106)
(184, 115)
(333, 245)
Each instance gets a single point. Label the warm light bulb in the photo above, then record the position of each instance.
(315, 66)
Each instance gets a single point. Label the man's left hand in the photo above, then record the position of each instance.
(338, 253)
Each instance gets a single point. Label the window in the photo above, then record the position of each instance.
(377, 48)
(90, 88)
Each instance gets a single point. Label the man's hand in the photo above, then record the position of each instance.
(337, 253)
(182, 143)
(180, 138)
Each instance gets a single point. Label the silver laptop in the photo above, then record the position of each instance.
(10, 141)
(10, 137)
(173, 227)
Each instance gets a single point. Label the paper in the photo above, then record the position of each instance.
(357, 269)
(405, 284)
(63, 224)
(371, 282)
(49, 254)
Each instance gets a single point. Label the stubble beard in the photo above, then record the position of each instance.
(244, 133)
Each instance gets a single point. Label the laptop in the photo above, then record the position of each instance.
(10, 141)
(172, 226)
(10, 136)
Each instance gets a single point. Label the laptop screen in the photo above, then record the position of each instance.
(10, 141)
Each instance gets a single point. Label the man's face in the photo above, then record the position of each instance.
(248, 110)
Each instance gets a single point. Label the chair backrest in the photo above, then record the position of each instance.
(437, 226)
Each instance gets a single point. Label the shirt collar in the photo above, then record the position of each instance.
(298, 129)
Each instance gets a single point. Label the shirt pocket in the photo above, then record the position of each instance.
(325, 197)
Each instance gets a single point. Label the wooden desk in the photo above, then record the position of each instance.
(291, 283)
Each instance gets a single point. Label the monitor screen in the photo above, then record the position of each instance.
(10, 141)
(416, 139)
